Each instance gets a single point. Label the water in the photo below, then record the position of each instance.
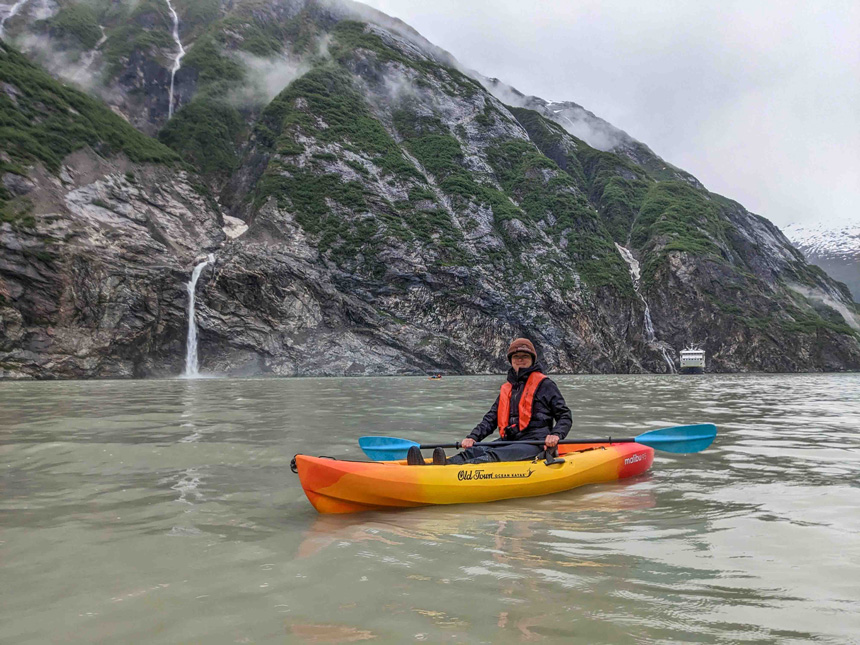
(89, 58)
(165, 512)
(192, 368)
(13, 11)
(177, 62)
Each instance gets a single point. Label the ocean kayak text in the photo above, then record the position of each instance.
(471, 475)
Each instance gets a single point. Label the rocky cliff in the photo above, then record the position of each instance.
(400, 214)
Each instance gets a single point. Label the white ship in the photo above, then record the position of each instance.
(692, 360)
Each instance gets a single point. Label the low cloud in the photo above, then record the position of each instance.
(574, 118)
(80, 69)
(266, 78)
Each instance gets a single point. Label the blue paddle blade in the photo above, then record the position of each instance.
(680, 439)
(385, 448)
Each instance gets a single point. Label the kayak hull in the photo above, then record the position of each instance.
(335, 486)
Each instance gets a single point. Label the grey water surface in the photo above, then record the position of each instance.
(166, 512)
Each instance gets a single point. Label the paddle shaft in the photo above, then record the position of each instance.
(565, 442)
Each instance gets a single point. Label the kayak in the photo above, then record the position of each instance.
(341, 486)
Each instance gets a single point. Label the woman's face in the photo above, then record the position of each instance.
(521, 360)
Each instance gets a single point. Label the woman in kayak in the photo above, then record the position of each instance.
(529, 408)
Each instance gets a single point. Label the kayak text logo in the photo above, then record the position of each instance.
(634, 459)
(478, 474)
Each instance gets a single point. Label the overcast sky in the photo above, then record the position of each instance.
(758, 99)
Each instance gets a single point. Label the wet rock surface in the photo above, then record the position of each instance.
(387, 214)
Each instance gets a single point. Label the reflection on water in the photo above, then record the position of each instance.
(164, 511)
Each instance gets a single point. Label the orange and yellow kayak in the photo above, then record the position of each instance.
(335, 486)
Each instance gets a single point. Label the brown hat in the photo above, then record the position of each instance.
(522, 345)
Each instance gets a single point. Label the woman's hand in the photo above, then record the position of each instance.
(551, 441)
(468, 443)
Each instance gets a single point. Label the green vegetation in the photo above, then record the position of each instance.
(300, 190)
(682, 214)
(799, 322)
(323, 105)
(125, 40)
(77, 21)
(259, 36)
(440, 153)
(212, 64)
(550, 137)
(42, 120)
(18, 213)
(329, 95)
(420, 193)
(357, 167)
(677, 217)
(486, 117)
(615, 186)
(146, 26)
(308, 195)
(522, 171)
(350, 35)
(196, 15)
(263, 32)
(206, 133)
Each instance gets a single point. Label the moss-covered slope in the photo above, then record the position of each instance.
(400, 217)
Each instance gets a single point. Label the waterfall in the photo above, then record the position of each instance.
(89, 58)
(635, 275)
(12, 12)
(177, 63)
(191, 367)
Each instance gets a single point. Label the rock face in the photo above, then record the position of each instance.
(385, 213)
(95, 288)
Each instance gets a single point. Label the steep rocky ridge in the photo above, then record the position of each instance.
(400, 218)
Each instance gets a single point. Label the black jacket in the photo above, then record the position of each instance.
(548, 409)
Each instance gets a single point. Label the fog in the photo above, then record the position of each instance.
(759, 100)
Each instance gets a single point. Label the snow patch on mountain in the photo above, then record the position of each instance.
(826, 239)
(833, 247)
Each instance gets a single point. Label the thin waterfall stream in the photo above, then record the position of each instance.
(12, 12)
(177, 62)
(89, 58)
(192, 369)
(635, 275)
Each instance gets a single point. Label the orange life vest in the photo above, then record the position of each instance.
(526, 400)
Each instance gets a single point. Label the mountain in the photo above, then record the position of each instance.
(836, 249)
(372, 207)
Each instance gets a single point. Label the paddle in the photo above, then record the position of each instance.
(678, 439)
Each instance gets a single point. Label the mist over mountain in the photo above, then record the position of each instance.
(372, 208)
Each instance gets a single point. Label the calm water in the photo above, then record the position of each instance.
(165, 512)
